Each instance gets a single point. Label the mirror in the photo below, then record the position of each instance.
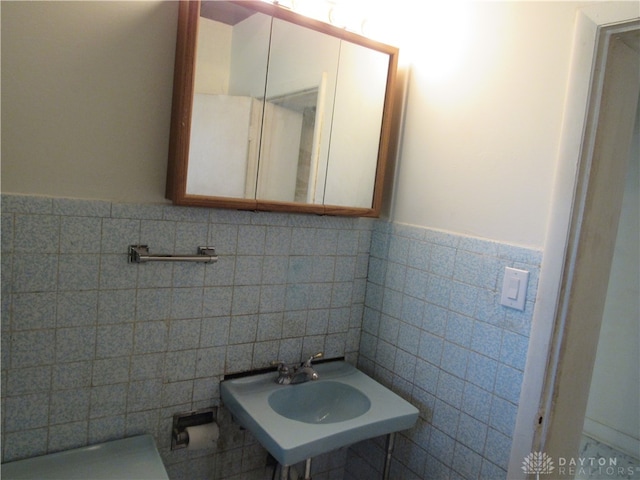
(276, 111)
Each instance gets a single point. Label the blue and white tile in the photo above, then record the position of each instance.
(243, 329)
(486, 339)
(476, 402)
(77, 308)
(36, 234)
(441, 446)
(442, 261)
(26, 412)
(108, 400)
(426, 375)
(503, 415)
(33, 348)
(106, 429)
(143, 395)
(75, 344)
(450, 389)
(67, 436)
(445, 418)
(430, 348)
(251, 239)
(454, 359)
(277, 240)
(408, 338)
(508, 383)
(35, 273)
(514, 350)
(210, 362)
(69, 405)
(118, 306)
(71, 375)
(78, 272)
(482, 371)
(22, 381)
(108, 371)
(27, 204)
(497, 448)
(150, 337)
(137, 211)
(217, 301)
(80, 235)
(118, 234)
(438, 290)
(459, 329)
(186, 302)
(466, 462)
(25, 443)
(115, 340)
(33, 311)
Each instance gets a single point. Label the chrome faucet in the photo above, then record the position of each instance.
(290, 374)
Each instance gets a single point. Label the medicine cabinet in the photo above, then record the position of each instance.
(275, 111)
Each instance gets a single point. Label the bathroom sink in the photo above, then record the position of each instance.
(301, 421)
(319, 402)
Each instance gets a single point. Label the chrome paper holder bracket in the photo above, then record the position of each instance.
(140, 254)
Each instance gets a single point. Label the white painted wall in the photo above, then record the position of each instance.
(86, 99)
(482, 129)
(613, 411)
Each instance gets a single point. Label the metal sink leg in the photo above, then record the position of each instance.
(387, 459)
(284, 472)
(307, 469)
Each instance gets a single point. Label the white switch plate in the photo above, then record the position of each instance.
(514, 288)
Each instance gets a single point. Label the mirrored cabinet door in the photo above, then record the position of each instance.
(300, 92)
(231, 58)
(357, 123)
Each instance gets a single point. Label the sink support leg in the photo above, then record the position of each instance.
(387, 460)
(284, 472)
(307, 469)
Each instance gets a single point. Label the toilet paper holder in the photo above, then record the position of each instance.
(179, 435)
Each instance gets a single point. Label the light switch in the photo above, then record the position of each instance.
(514, 288)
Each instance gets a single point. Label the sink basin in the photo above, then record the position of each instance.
(296, 422)
(320, 402)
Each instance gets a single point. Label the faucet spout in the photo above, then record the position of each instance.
(297, 373)
(304, 374)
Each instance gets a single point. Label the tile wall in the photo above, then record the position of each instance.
(95, 348)
(434, 332)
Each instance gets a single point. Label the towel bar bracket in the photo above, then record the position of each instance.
(140, 254)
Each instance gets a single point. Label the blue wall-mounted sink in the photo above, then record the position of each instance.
(320, 402)
(296, 422)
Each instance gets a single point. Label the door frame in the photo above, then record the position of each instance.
(552, 340)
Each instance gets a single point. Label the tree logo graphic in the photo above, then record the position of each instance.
(538, 463)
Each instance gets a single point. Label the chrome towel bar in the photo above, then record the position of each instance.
(140, 254)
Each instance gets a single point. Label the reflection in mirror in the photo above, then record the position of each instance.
(305, 104)
(287, 147)
(357, 123)
(303, 67)
(230, 73)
